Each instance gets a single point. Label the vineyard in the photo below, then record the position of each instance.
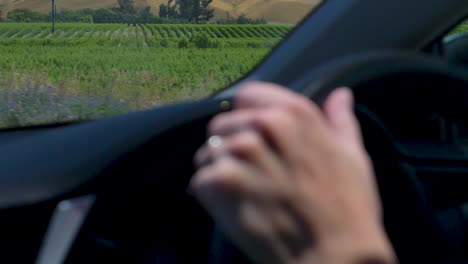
(140, 35)
(87, 71)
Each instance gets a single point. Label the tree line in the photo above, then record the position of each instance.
(174, 12)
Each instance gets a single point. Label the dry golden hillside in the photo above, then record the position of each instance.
(274, 11)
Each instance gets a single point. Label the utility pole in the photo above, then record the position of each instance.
(54, 15)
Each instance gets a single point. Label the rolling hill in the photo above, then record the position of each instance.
(274, 11)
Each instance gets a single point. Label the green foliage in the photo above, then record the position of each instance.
(74, 16)
(96, 70)
(241, 20)
(203, 41)
(164, 43)
(167, 43)
(183, 43)
(139, 16)
(195, 11)
(174, 36)
(142, 76)
(25, 15)
(126, 7)
(94, 58)
(163, 10)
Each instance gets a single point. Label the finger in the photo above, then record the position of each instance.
(229, 123)
(247, 95)
(279, 128)
(260, 94)
(229, 191)
(226, 176)
(211, 150)
(339, 111)
(204, 157)
(248, 145)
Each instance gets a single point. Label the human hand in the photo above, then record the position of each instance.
(289, 183)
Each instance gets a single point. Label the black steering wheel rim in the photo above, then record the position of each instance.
(356, 69)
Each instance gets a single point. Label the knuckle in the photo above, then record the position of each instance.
(226, 168)
(248, 90)
(217, 123)
(299, 104)
(255, 85)
(247, 142)
(306, 109)
(231, 176)
(226, 174)
(249, 86)
(275, 120)
(215, 177)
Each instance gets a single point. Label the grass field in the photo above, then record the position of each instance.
(85, 71)
(88, 71)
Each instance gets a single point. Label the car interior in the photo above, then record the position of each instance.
(115, 190)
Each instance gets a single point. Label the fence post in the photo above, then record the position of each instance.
(54, 15)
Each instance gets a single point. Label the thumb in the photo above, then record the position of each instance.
(339, 111)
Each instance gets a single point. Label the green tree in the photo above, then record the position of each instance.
(197, 11)
(163, 10)
(243, 19)
(25, 15)
(74, 16)
(202, 40)
(206, 13)
(169, 10)
(183, 43)
(126, 7)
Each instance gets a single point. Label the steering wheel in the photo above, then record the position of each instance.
(410, 220)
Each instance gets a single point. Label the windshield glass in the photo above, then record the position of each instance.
(64, 60)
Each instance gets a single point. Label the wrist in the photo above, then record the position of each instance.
(366, 245)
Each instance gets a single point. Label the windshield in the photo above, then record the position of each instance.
(66, 60)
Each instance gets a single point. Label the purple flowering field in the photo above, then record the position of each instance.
(34, 103)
